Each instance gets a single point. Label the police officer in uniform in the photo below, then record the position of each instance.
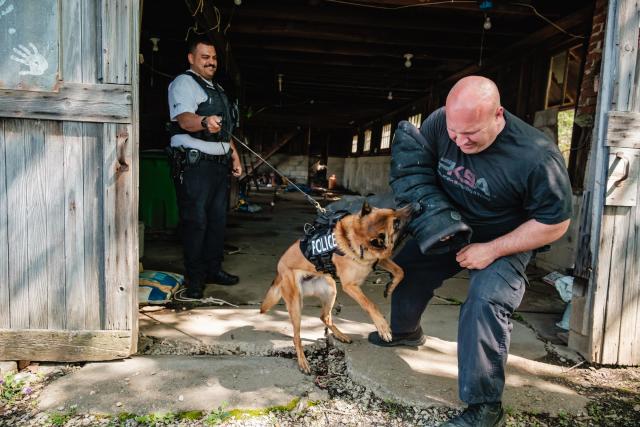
(202, 153)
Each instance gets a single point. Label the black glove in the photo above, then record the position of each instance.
(413, 178)
(434, 224)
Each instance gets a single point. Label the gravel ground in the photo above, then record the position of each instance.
(615, 395)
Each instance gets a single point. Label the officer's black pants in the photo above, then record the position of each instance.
(484, 327)
(202, 204)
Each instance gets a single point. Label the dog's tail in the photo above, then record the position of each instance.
(272, 297)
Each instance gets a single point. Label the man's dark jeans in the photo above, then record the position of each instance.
(484, 327)
(202, 203)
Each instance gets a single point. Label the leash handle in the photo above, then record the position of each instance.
(311, 200)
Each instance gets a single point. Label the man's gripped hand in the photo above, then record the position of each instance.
(236, 168)
(214, 124)
(476, 256)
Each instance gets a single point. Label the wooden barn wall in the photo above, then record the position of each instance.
(605, 324)
(68, 194)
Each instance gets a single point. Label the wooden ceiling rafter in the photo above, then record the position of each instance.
(332, 53)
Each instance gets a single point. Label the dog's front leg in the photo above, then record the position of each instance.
(328, 298)
(293, 300)
(397, 274)
(353, 290)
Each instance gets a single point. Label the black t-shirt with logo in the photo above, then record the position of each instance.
(520, 176)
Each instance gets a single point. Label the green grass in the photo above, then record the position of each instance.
(565, 130)
(212, 418)
(10, 388)
(61, 418)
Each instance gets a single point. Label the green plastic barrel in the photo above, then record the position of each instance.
(158, 206)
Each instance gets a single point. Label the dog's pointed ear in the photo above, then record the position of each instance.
(366, 209)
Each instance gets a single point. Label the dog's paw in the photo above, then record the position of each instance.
(385, 332)
(304, 366)
(342, 338)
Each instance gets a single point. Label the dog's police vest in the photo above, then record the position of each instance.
(319, 242)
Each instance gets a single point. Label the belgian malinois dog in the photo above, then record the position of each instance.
(364, 239)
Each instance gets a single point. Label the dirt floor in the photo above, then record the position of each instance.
(614, 395)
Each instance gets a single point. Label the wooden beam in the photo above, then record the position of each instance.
(498, 9)
(623, 129)
(247, 59)
(284, 141)
(64, 346)
(345, 17)
(577, 20)
(430, 36)
(348, 86)
(255, 59)
(79, 102)
(353, 49)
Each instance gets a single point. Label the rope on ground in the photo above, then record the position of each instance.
(209, 300)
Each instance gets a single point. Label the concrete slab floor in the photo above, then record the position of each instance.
(160, 384)
(428, 374)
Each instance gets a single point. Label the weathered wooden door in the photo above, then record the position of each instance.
(68, 179)
(605, 319)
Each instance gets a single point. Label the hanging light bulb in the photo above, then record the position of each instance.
(487, 23)
(390, 96)
(408, 57)
(155, 41)
(280, 76)
(237, 2)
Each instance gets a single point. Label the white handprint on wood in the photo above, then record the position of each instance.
(32, 59)
(7, 10)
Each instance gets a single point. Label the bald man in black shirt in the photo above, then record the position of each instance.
(507, 182)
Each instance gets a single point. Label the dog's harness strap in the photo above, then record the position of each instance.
(319, 243)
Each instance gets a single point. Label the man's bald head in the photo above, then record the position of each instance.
(474, 114)
(473, 94)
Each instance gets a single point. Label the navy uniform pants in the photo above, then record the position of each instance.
(202, 204)
(484, 327)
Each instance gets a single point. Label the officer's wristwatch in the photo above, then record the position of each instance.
(203, 122)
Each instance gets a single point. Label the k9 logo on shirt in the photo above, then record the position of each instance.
(463, 178)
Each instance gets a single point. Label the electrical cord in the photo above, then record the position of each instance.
(371, 6)
(549, 21)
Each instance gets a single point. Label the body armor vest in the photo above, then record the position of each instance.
(216, 104)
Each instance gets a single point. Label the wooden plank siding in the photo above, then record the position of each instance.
(614, 288)
(74, 225)
(94, 269)
(56, 274)
(134, 142)
(36, 224)
(65, 346)
(623, 283)
(624, 129)
(120, 220)
(74, 101)
(16, 223)
(5, 311)
(68, 196)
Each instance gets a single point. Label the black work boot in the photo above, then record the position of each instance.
(412, 339)
(194, 290)
(223, 278)
(479, 415)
